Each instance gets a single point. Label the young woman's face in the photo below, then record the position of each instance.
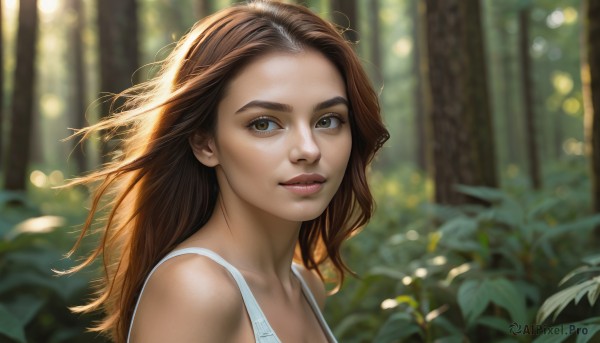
(283, 138)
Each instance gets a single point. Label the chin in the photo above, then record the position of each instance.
(304, 215)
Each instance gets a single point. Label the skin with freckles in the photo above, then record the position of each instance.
(280, 150)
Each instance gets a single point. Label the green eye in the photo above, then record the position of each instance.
(330, 122)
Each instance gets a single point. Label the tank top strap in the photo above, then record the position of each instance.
(262, 330)
(313, 304)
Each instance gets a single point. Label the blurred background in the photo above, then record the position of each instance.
(488, 192)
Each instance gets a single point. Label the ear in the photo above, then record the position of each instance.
(203, 147)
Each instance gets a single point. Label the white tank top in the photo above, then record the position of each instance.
(263, 333)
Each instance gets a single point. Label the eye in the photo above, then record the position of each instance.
(263, 125)
(329, 122)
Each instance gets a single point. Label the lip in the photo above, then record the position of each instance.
(305, 184)
(305, 179)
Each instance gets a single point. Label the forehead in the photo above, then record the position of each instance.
(294, 78)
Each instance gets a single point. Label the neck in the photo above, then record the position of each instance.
(252, 240)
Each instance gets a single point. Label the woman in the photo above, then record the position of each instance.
(248, 151)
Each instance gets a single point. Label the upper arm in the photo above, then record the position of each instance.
(188, 299)
(316, 285)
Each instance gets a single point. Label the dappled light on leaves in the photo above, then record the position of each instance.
(403, 47)
(572, 146)
(572, 106)
(48, 6)
(41, 180)
(555, 19)
(36, 225)
(421, 272)
(562, 82)
(561, 16)
(388, 304)
(52, 106)
(38, 178)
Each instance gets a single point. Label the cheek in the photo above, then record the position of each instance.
(341, 152)
(246, 158)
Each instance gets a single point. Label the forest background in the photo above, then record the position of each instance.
(487, 225)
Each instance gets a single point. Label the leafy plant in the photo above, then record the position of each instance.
(470, 272)
(33, 301)
(587, 286)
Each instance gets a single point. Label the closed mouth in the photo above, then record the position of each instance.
(305, 179)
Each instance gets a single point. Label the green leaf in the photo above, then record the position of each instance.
(43, 224)
(458, 227)
(504, 294)
(11, 326)
(387, 271)
(593, 294)
(580, 270)
(497, 323)
(349, 321)
(584, 224)
(62, 286)
(546, 206)
(492, 195)
(398, 326)
(530, 291)
(557, 302)
(592, 260)
(551, 338)
(25, 307)
(473, 299)
(447, 325)
(408, 300)
(591, 332)
(458, 338)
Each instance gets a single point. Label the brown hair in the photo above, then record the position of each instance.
(157, 193)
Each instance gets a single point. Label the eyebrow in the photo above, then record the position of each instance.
(276, 106)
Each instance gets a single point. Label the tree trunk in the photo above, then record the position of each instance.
(118, 30)
(463, 140)
(22, 103)
(591, 95)
(1, 91)
(345, 15)
(511, 126)
(375, 44)
(78, 119)
(204, 8)
(421, 86)
(527, 88)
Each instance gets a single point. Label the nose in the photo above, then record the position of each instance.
(304, 147)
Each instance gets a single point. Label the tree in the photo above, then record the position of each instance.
(345, 15)
(506, 108)
(527, 89)
(204, 8)
(375, 43)
(1, 90)
(22, 104)
(463, 140)
(119, 57)
(591, 87)
(78, 79)
(422, 105)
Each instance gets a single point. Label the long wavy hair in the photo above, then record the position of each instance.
(154, 193)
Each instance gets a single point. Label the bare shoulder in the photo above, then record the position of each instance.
(315, 284)
(189, 298)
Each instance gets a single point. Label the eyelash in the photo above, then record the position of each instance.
(250, 125)
(335, 116)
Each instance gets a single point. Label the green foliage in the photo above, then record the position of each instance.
(588, 285)
(33, 300)
(471, 273)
